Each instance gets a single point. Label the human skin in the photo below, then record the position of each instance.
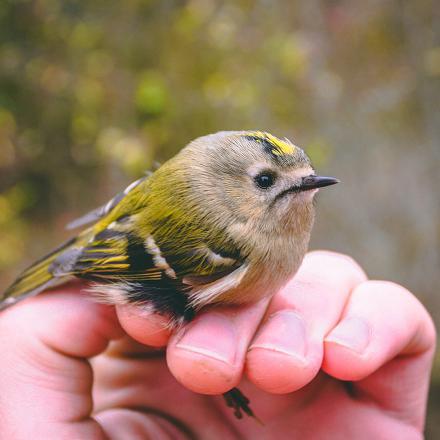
(333, 355)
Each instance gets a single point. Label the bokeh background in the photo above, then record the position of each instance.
(92, 93)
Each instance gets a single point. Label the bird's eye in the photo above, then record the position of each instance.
(265, 179)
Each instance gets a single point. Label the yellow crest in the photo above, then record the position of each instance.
(278, 147)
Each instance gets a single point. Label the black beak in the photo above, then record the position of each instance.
(308, 183)
(313, 182)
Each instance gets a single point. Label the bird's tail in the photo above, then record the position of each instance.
(36, 278)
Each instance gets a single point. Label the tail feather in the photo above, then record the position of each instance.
(35, 279)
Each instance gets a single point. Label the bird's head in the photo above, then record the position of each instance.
(254, 178)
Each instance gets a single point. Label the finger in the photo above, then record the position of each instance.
(386, 341)
(207, 356)
(287, 352)
(45, 384)
(144, 326)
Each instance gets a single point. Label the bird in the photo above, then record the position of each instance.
(226, 221)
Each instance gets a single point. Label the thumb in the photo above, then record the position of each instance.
(46, 380)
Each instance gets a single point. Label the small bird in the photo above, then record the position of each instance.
(225, 221)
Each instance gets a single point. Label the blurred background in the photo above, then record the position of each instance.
(93, 92)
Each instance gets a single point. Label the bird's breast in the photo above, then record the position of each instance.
(269, 268)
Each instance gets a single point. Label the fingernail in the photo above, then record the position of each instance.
(211, 335)
(353, 333)
(284, 332)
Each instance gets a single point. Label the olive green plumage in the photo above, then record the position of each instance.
(227, 220)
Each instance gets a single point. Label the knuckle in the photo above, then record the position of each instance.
(344, 262)
(399, 298)
(389, 293)
(391, 289)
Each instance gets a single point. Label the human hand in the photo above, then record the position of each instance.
(345, 357)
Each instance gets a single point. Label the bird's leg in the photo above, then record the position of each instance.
(236, 400)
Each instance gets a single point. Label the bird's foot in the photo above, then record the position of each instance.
(239, 403)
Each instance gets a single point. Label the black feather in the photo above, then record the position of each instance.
(167, 297)
(141, 280)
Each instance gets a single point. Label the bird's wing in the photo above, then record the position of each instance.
(119, 253)
(120, 256)
(131, 269)
(149, 263)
